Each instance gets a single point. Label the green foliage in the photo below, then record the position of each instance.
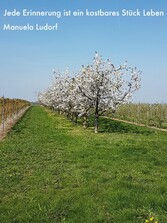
(54, 171)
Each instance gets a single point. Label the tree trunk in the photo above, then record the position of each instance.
(85, 123)
(96, 122)
(76, 118)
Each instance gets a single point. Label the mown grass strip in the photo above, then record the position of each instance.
(54, 171)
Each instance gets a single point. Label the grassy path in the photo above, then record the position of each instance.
(53, 171)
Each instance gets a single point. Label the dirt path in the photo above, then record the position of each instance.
(134, 123)
(10, 122)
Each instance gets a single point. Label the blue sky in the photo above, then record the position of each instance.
(27, 58)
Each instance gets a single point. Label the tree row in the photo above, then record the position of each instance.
(95, 89)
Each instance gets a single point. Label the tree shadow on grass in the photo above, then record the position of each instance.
(109, 125)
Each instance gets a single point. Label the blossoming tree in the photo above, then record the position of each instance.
(106, 87)
(97, 88)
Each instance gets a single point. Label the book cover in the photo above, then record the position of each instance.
(83, 111)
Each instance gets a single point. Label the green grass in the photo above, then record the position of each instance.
(54, 171)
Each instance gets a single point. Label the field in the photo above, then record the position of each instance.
(54, 171)
(154, 115)
(11, 107)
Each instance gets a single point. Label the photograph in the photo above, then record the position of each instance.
(83, 111)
